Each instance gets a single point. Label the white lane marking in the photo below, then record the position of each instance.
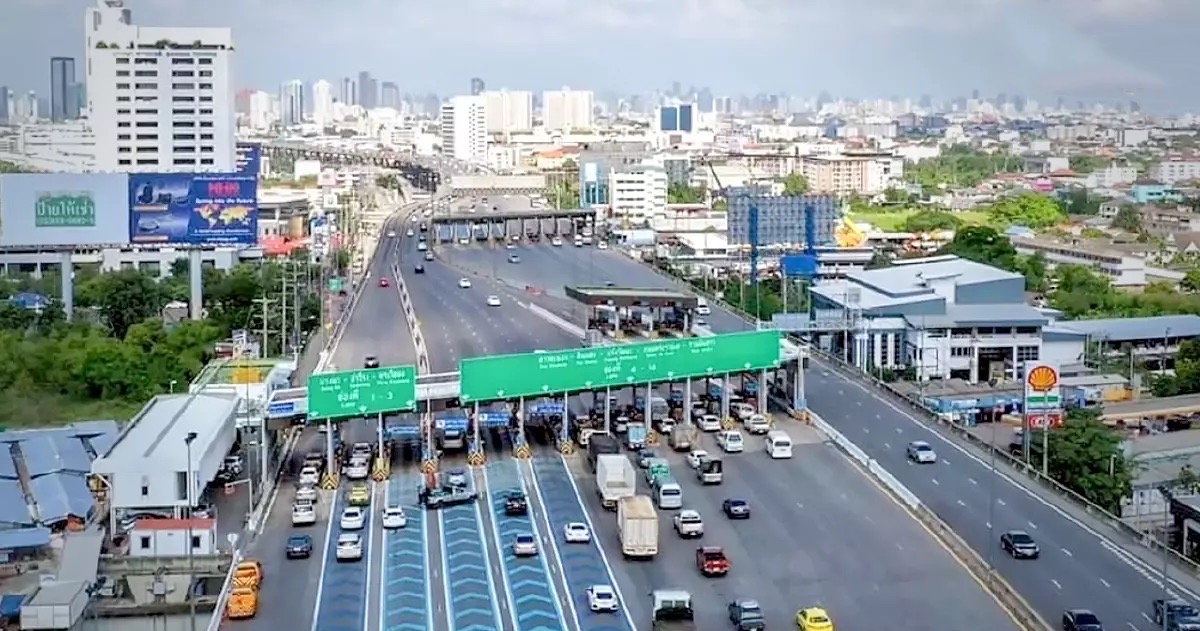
(866, 431)
(1133, 627)
(1124, 556)
(962, 503)
(972, 481)
(1148, 619)
(887, 446)
(935, 482)
(899, 431)
(1033, 525)
(1105, 583)
(1067, 552)
(1000, 502)
(324, 561)
(1056, 583)
(988, 525)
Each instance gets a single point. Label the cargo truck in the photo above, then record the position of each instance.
(637, 522)
(682, 437)
(615, 479)
(599, 445)
(672, 610)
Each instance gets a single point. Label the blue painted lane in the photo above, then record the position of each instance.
(470, 594)
(406, 599)
(533, 595)
(343, 605)
(583, 564)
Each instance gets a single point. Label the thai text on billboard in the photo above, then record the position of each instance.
(63, 209)
(199, 209)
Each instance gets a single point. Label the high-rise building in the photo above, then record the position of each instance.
(154, 111)
(567, 110)
(262, 110)
(389, 95)
(464, 128)
(348, 95)
(64, 95)
(368, 91)
(477, 86)
(6, 104)
(291, 103)
(322, 103)
(508, 111)
(676, 118)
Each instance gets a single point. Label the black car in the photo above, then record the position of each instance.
(1174, 610)
(736, 509)
(516, 504)
(418, 269)
(299, 547)
(1080, 620)
(371, 361)
(1019, 545)
(424, 227)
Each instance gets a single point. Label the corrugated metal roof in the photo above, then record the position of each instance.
(24, 538)
(13, 509)
(158, 430)
(1134, 329)
(52, 452)
(972, 315)
(61, 495)
(908, 276)
(80, 556)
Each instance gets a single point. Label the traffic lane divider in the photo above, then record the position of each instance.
(470, 594)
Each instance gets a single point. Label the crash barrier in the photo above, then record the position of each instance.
(1126, 538)
(382, 469)
(567, 447)
(520, 446)
(218, 615)
(414, 325)
(429, 466)
(1021, 610)
(476, 458)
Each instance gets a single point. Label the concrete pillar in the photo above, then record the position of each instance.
(196, 284)
(68, 283)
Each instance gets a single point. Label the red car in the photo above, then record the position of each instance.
(383, 282)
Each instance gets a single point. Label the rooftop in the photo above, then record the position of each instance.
(43, 471)
(1151, 408)
(907, 282)
(631, 297)
(1134, 329)
(980, 315)
(159, 429)
(236, 372)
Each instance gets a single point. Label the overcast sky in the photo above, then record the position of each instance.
(1081, 49)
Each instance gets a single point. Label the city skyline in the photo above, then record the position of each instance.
(1116, 50)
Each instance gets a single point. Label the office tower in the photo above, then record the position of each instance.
(182, 117)
(464, 128)
(508, 111)
(64, 100)
(6, 104)
(567, 110)
(389, 95)
(291, 103)
(322, 103)
(676, 118)
(368, 91)
(262, 110)
(477, 86)
(348, 95)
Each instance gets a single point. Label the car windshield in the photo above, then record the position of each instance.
(297, 541)
(818, 619)
(1087, 620)
(1021, 538)
(603, 593)
(922, 447)
(524, 539)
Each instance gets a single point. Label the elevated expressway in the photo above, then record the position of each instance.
(1079, 566)
(422, 173)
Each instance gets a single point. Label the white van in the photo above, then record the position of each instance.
(579, 241)
(669, 495)
(741, 410)
(702, 307)
(778, 444)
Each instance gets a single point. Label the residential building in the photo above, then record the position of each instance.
(598, 160)
(1152, 192)
(262, 110)
(322, 105)
(1161, 221)
(1113, 175)
(291, 103)
(509, 112)
(464, 128)
(638, 192)
(860, 174)
(567, 110)
(64, 92)
(159, 98)
(1133, 137)
(1122, 270)
(158, 538)
(1172, 171)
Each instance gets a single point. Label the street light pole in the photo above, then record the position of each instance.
(1166, 595)
(991, 523)
(191, 553)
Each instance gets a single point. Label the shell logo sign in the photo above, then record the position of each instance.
(1042, 379)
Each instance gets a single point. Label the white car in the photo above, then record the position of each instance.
(421, 247)
(731, 441)
(695, 457)
(456, 477)
(464, 241)
(556, 242)
(493, 301)
(603, 245)
(357, 469)
(525, 545)
(602, 598)
(577, 532)
(464, 283)
(407, 233)
(310, 476)
(306, 493)
(920, 452)
(392, 234)
(709, 422)
(394, 517)
(303, 514)
(688, 524)
(353, 518)
(349, 547)
(757, 424)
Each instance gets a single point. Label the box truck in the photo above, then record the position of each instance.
(638, 523)
(615, 479)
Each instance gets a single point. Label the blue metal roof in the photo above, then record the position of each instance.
(61, 495)
(24, 538)
(10, 605)
(8, 468)
(1135, 329)
(12, 504)
(51, 452)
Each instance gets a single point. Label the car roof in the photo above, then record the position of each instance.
(347, 537)
(734, 500)
(300, 538)
(1015, 533)
(576, 524)
(525, 535)
(918, 443)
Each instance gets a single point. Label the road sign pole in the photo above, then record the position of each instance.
(646, 403)
(608, 411)
(476, 424)
(687, 400)
(379, 433)
(724, 397)
(566, 418)
(328, 444)
(763, 393)
(521, 415)
(1046, 445)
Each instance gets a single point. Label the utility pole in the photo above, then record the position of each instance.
(284, 336)
(265, 303)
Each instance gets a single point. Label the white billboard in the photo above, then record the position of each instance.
(64, 209)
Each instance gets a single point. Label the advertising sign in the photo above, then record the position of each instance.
(249, 159)
(193, 208)
(1043, 397)
(63, 209)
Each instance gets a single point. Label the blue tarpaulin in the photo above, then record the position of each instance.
(493, 419)
(10, 605)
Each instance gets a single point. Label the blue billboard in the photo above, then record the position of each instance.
(193, 209)
(249, 159)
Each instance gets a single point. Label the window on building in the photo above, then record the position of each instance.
(184, 149)
(206, 73)
(206, 123)
(126, 163)
(183, 86)
(148, 162)
(206, 136)
(122, 73)
(122, 86)
(122, 149)
(206, 149)
(145, 486)
(146, 61)
(1027, 330)
(205, 86)
(182, 73)
(122, 136)
(182, 112)
(206, 161)
(122, 123)
(185, 161)
(205, 61)
(146, 86)
(122, 99)
(1027, 353)
(183, 99)
(122, 61)
(147, 124)
(122, 111)
(195, 541)
(206, 99)
(960, 351)
(184, 137)
(149, 111)
(144, 543)
(147, 136)
(180, 61)
(145, 73)
(206, 112)
(181, 485)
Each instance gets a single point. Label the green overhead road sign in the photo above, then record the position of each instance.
(511, 376)
(362, 392)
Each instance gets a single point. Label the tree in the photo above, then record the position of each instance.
(679, 194)
(1128, 219)
(1077, 201)
(1034, 270)
(1086, 457)
(983, 245)
(1030, 210)
(961, 166)
(931, 220)
(1191, 281)
(795, 184)
(1085, 164)
(124, 298)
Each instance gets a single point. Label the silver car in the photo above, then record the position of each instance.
(525, 545)
(920, 452)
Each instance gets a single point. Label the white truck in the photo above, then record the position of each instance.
(616, 479)
(638, 523)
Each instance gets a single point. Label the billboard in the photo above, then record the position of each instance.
(249, 159)
(193, 208)
(63, 209)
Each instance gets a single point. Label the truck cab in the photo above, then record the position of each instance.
(710, 471)
(658, 468)
(671, 610)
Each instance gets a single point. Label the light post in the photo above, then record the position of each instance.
(1166, 550)
(991, 522)
(191, 553)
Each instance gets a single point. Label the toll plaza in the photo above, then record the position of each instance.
(629, 312)
(512, 225)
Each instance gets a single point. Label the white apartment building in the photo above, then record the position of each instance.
(464, 128)
(291, 103)
(1172, 171)
(159, 98)
(638, 192)
(866, 174)
(567, 110)
(1122, 269)
(509, 112)
(262, 110)
(322, 105)
(1114, 175)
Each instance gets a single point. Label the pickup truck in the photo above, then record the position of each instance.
(441, 498)
(671, 610)
(711, 561)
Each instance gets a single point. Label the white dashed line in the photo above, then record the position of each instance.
(972, 481)
(1000, 501)
(962, 503)
(887, 446)
(1033, 525)
(1105, 583)
(1067, 552)
(934, 480)
(1056, 583)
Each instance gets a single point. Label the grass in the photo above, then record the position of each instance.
(894, 221)
(21, 410)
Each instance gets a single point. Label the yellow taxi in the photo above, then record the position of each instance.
(360, 495)
(814, 619)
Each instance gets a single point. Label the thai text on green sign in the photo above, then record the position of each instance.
(510, 376)
(64, 210)
(362, 392)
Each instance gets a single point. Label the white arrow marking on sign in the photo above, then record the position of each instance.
(545, 388)
(499, 393)
(747, 365)
(587, 384)
(709, 369)
(409, 403)
(670, 373)
(629, 379)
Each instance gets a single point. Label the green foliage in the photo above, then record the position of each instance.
(1085, 456)
(1186, 379)
(1084, 294)
(983, 245)
(1086, 164)
(1030, 210)
(931, 220)
(389, 180)
(1128, 219)
(961, 166)
(1077, 201)
(1191, 282)
(795, 184)
(677, 194)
